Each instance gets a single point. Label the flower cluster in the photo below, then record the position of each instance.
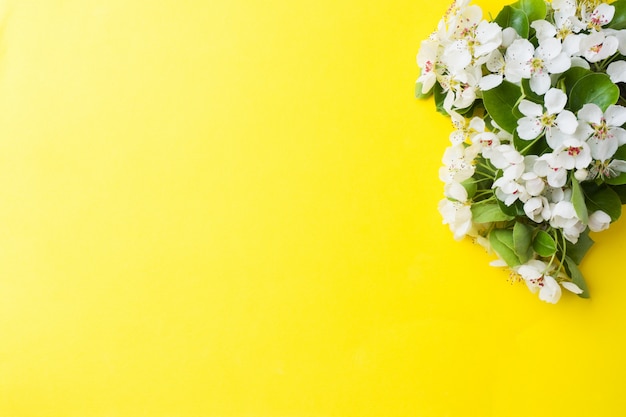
(537, 158)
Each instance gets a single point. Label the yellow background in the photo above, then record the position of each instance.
(227, 208)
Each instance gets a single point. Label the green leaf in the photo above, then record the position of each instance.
(544, 244)
(522, 239)
(515, 209)
(607, 200)
(440, 96)
(619, 19)
(500, 103)
(534, 9)
(578, 250)
(419, 94)
(570, 77)
(577, 277)
(619, 180)
(470, 186)
(501, 241)
(621, 192)
(594, 88)
(515, 18)
(578, 200)
(486, 212)
(530, 94)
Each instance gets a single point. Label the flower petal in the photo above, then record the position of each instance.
(555, 100)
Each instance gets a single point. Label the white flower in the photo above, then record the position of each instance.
(573, 154)
(554, 120)
(466, 129)
(487, 141)
(460, 17)
(537, 209)
(458, 164)
(597, 47)
(599, 221)
(602, 130)
(427, 60)
(534, 274)
(600, 16)
(460, 88)
(524, 61)
(458, 216)
(509, 190)
(607, 169)
(547, 167)
(509, 160)
(563, 215)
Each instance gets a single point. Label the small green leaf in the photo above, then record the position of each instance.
(530, 94)
(619, 180)
(515, 209)
(534, 9)
(578, 200)
(619, 18)
(544, 244)
(486, 212)
(470, 186)
(500, 103)
(577, 277)
(440, 96)
(578, 251)
(501, 241)
(419, 94)
(515, 18)
(522, 239)
(570, 77)
(594, 88)
(607, 200)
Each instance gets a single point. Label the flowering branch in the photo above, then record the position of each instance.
(538, 155)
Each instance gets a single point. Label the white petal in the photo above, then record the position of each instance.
(617, 71)
(548, 49)
(544, 29)
(559, 64)
(603, 149)
(509, 35)
(591, 113)
(570, 286)
(520, 50)
(490, 81)
(605, 12)
(555, 100)
(529, 128)
(455, 191)
(615, 115)
(540, 83)
(530, 109)
(567, 122)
